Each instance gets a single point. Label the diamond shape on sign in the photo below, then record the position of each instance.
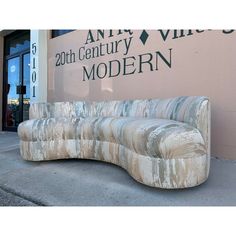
(143, 37)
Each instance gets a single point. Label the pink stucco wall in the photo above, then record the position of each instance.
(177, 63)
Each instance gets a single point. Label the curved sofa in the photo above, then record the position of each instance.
(160, 142)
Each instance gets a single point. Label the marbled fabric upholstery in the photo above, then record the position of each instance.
(163, 132)
(148, 135)
(191, 110)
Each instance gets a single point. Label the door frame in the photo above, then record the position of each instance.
(5, 77)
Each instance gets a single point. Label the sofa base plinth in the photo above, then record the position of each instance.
(154, 172)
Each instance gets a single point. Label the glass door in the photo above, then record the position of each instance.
(16, 80)
(26, 86)
(12, 110)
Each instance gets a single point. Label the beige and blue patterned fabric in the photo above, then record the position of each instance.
(160, 142)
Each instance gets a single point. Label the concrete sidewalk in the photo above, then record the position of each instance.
(92, 183)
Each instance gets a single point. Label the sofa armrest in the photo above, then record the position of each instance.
(193, 110)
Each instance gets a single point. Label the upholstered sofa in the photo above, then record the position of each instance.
(160, 142)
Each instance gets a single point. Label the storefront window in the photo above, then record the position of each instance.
(19, 42)
(16, 81)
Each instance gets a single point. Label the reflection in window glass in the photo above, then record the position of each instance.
(56, 33)
(12, 113)
(26, 77)
(18, 44)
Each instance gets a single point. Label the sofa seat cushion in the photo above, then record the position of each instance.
(149, 137)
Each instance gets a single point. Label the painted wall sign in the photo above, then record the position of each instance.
(127, 65)
(140, 64)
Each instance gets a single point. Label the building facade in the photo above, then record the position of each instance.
(68, 65)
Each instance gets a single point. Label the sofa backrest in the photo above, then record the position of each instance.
(194, 110)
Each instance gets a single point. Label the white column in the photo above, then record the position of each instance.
(38, 65)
